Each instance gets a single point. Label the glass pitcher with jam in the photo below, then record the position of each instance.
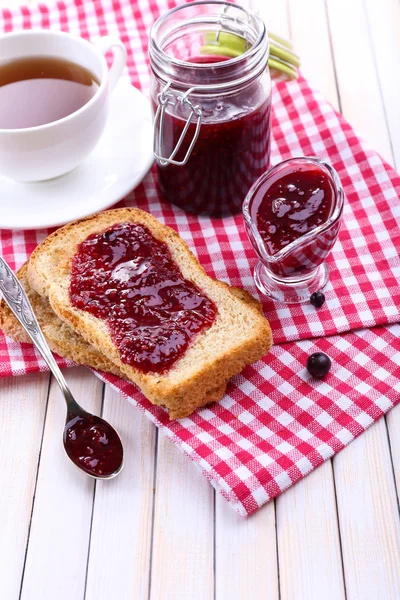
(293, 215)
(211, 96)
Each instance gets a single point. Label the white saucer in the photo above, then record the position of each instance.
(116, 166)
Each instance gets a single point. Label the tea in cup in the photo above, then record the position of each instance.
(55, 91)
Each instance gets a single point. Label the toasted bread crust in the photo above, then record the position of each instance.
(60, 337)
(215, 355)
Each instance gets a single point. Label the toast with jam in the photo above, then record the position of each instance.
(68, 344)
(131, 288)
(64, 341)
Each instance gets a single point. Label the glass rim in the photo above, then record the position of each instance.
(158, 55)
(336, 214)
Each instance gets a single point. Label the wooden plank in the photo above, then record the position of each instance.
(368, 517)
(119, 559)
(310, 564)
(393, 425)
(384, 27)
(246, 559)
(274, 13)
(245, 553)
(22, 413)
(314, 50)
(366, 493)
(182, 557)
(359, 92)
(314, 47)
(308, 539)
(58, 544)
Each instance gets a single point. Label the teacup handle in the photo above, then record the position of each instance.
(109, 43)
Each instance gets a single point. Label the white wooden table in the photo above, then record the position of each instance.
(158, 531)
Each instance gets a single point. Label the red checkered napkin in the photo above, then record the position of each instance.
(275, 424)
(364, 266)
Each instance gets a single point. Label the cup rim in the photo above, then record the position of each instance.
(51, 33)
(338, 210)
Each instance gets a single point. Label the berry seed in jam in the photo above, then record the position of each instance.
(127, 278)
(93, 445)
(292, 206)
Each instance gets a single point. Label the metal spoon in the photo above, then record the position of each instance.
(89, 441)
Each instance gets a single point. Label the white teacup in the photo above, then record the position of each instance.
(47, 151)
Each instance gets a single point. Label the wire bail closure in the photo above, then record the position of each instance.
(164, 98)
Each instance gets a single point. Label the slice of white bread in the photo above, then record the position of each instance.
(239, 336)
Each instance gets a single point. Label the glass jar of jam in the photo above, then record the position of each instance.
(211, 96)
(293, 215)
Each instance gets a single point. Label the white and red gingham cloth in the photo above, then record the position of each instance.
(276, 423)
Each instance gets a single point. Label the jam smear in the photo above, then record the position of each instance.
(292, 206)
(127, 277)
(207, 59)
(93, 445)
(231, 152)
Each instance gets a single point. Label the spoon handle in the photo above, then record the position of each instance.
(15, 297)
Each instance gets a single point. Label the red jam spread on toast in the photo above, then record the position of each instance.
(128, 278)
(292, 206)
(93, 445)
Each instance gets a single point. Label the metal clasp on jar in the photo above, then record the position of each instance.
(168, 97)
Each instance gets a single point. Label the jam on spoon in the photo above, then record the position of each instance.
(90, 442)
(93, 445)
